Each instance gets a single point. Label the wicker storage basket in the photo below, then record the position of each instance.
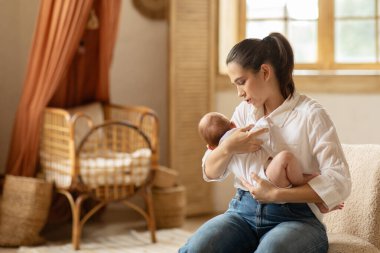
(24, 210)
(165, 177)
(169, 206)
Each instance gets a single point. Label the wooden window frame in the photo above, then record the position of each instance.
(325, 39)
(323, 76)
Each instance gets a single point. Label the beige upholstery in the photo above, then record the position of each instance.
(356, 228)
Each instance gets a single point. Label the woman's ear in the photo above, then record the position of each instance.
(267, 71)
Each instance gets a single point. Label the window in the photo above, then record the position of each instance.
(356, 31)
(296, 19)
(325, 34)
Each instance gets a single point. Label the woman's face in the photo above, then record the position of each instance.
(250, 86)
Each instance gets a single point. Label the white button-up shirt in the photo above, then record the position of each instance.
(303, 127)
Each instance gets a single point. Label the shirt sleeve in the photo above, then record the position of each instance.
(207, 179)
(334, 183)
(238, 118)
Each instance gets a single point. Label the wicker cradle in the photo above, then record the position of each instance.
(112, 161)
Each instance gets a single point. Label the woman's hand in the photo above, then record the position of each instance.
(244, 141)
(263, 192)
(266, 192)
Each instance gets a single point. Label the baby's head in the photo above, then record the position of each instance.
(212, 127)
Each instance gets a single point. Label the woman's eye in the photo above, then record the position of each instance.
(242, 82)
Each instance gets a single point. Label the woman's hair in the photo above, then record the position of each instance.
(274, 49)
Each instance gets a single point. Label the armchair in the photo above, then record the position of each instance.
(356, 228)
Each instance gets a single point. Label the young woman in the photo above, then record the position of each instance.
(264, 218)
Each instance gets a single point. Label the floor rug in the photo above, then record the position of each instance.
(118, 239)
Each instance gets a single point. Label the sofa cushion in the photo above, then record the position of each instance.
(345, 243)
(361, 213)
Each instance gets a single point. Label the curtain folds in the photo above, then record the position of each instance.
(87, 79)
(68, 65)
(109, 13)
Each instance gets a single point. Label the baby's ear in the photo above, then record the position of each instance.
(232, 124)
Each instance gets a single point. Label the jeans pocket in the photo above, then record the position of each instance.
(233, 205)
(239, 194)
(236, 196)
(240, 201)
(234, 202)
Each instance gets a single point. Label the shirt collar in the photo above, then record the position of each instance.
(281, 114)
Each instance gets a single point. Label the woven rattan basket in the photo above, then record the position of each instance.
(165, 177)
(24, 210)
(169, 206)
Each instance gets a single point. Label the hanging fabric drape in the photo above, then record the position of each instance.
(60, 26)
(79, 84)
(57, 53)
(87, 79)
(108, 30)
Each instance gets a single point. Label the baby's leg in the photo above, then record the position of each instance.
(284, 170)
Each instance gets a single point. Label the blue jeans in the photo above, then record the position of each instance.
(249, 226)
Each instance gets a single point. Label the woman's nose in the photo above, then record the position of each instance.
(240, 92)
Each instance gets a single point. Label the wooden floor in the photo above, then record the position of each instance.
(115, 213)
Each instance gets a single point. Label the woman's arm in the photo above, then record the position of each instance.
(332, 186)
(241, 141)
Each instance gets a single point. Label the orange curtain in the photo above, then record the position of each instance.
(87, 79)
(60, 26)
(109, 13)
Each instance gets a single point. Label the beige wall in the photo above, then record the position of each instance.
(354, 115)
(17, 20)
(139, 71)
(138, 74)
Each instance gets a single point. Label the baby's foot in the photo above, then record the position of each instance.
(323, 209)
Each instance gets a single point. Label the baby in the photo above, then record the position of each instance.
(283, 170)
